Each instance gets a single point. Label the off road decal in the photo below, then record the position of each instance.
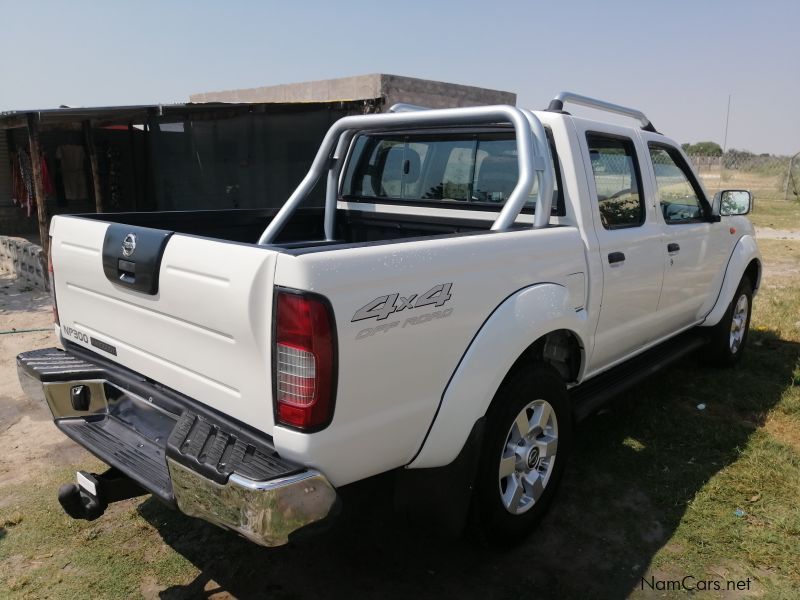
(409, 322)
(381, 307)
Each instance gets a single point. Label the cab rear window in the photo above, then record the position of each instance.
(463, 170)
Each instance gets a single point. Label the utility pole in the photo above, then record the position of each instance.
(727, 120)
(724, 144)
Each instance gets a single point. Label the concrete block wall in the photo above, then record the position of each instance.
(439, 94)
(377, 86)
(362, 87)
(23, 259)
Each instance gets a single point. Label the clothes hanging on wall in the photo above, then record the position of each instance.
(47, 181)
(72, 158)
(26, 172)
(19, 192)
(22, 188)
(23, 183)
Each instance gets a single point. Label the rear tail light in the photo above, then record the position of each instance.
(304, 361)
(52, 280)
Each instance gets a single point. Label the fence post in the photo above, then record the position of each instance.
(789, 177)
(38, 184)
(91, 151)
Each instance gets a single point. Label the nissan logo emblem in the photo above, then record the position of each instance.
(129, 245)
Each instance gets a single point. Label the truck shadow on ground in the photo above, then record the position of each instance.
(635, 468)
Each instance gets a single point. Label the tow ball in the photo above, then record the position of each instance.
(89, 497)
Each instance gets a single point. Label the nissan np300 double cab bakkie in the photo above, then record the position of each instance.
(476, 280)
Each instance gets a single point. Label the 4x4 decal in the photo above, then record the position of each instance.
(380, 308)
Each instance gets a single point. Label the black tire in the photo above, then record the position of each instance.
(722, 352)
(496, 522)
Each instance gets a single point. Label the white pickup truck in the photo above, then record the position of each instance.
(476, 281)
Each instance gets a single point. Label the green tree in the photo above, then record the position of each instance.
(703, 149)
(737, 158)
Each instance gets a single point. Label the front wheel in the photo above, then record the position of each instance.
(529, 432)
(729, 336)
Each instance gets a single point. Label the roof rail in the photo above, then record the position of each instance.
(557, 105)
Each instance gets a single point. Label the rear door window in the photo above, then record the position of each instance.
(617, 181)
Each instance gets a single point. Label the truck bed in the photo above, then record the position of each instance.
(304, 230)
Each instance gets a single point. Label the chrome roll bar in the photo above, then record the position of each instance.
(544, 176)
(544, 200)
(531, 158)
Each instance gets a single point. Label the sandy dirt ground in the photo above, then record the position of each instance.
(27, 434)
(768, 233)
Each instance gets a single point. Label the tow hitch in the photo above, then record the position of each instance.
(90, 496)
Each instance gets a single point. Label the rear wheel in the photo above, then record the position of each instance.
(529, 432)
(729, 336)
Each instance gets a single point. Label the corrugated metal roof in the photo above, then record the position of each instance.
(141, 112)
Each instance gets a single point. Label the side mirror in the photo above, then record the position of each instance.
(729, 203)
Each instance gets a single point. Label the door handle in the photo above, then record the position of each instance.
(616, 257)
(673, 248)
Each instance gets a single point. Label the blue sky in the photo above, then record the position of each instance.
(676, 60)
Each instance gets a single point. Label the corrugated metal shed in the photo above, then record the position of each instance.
(5, 172)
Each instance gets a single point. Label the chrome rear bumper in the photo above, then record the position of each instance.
(265, 512)
(186, 456)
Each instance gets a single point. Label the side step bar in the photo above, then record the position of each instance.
(590, 396)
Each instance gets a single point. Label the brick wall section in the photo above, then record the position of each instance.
(22, 259)
(438, 94)
(391, 88)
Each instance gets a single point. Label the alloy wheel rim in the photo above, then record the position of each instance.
(528, 456)
(738, 324)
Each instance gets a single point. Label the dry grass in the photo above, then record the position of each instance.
(771, 207)
(656, 488)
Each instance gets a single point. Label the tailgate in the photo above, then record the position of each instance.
(191, 313)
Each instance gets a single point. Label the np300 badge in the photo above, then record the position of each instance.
(129, 245)
(383, 306)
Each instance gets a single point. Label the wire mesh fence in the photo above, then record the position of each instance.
(767, 176)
